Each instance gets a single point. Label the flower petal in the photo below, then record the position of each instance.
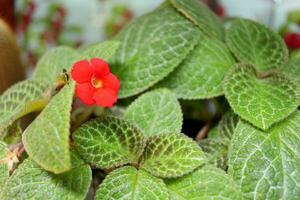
(105, 97)
(82, 71)
(111, 82)
(100, 66)
(85, 92)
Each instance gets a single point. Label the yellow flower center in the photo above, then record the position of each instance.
(97, 83)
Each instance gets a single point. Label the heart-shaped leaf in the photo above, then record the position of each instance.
(171, 155)
(20, 99)
(201, 15)
(207, 182)
(130, 183)
(109, 142)
(156, 112)
(54, 62)
(256, 44)
(151, 47)
(201, 74)
(4, 171)
(266, 164)
(46, 139)
(29, 181)
(261, 100)
(104, 50)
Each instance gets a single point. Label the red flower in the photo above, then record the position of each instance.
(94, 82)
(292, 40)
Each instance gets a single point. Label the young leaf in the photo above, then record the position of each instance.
(266, 164)
(260, 100)
(109, 142)
(29, 181)
(256, 44)
(20, 99)
(207, 182)
(151, 47)
(201, 74)
(130, 183)
(4, 171)
(201, 15)
(54, 62)
(46, 139)
(104, 50)
(216, 146)
(293, 68)
(171, 155)
(156, 112)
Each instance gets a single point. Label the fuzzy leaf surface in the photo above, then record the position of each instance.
(29, 181)
(20, 99)
(46, 139)
(201, 74)
(128, 183)
(151, 47)
(266, 164)
(104, 50)
(156, 112)
(53, 62)
(256, 44)
(261, 101)
(171, 155)
(207, 182)
(293, 68)
(201, 15)
(4, 171)
(109, 142)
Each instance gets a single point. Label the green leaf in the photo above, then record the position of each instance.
(201, 74)
(109, 142)
(261, 100)
(46, 139)
(266, 164)
(293, 68)
(151, 47)
(29, 181)
(256, 44)
(207, 182)
(171, 155)
(104, 50)
(4, 171)
(156, 112)
(128, 183)
(20, 99)
(201, 15)
(216, 146)
(54, 62)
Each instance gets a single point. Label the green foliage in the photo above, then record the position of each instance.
(171, 155)
(200, 76)
(293, 68)
(46, 140)
(258, 99)
(130, 183)
(103, 50)
(266, 164)
(20, 99)
(147, 111)
(256, 44)
(54, 62)
(205, 183)
(4, 171)
(151, 47)
(109, 142)
(201, 15)
(30, 181)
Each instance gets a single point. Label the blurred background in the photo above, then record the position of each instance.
(39, 25)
